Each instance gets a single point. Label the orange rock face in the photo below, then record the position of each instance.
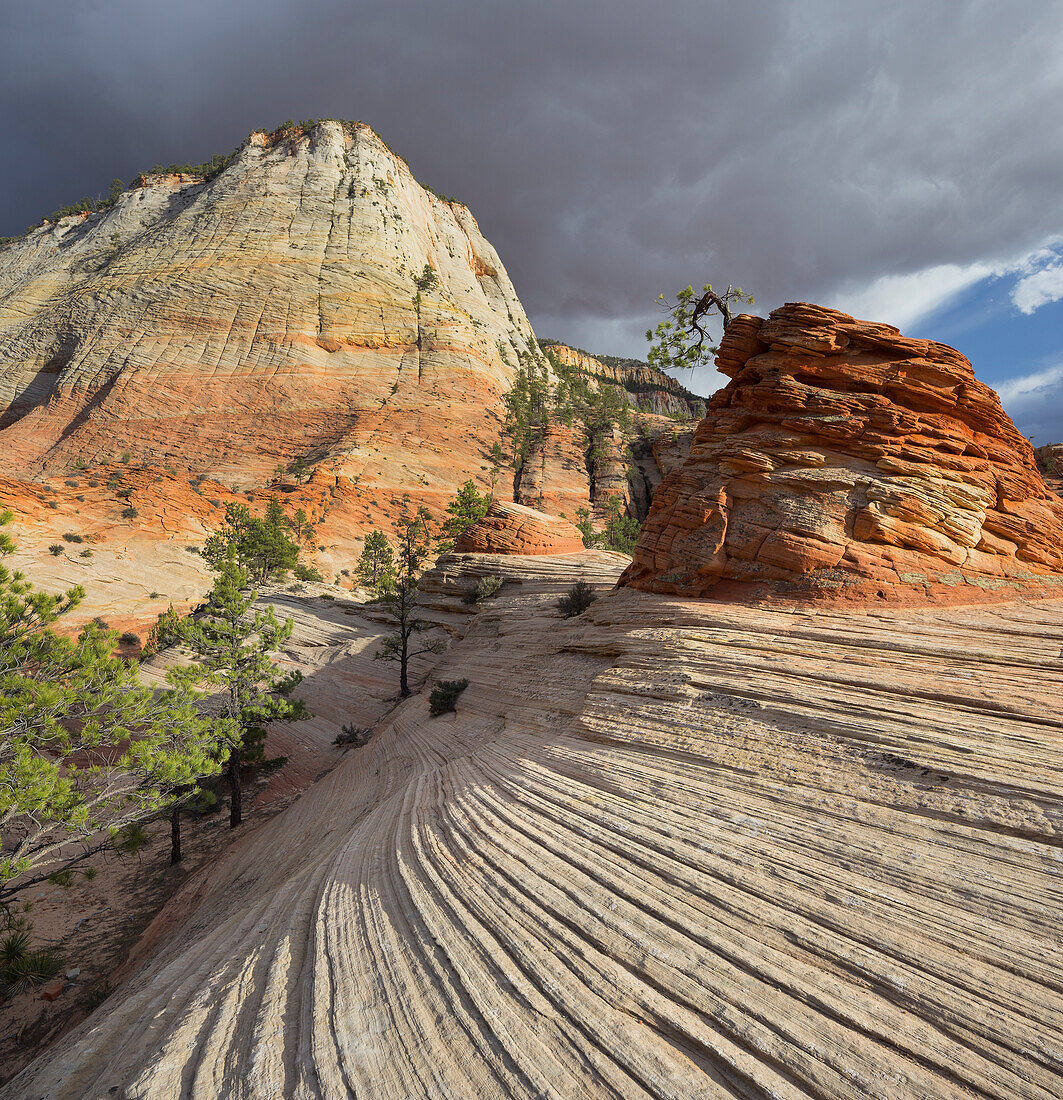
(845, 459)
(514, 529)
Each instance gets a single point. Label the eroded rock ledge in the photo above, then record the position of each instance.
(844, 459)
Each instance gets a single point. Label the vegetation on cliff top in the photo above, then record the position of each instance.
(206, 171)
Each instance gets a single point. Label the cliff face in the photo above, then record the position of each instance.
(645, 386)
(311, 307)
(843, 458)
(287, 310)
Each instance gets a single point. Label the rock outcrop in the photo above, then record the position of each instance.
(845, 459)
(515, 529)
(311, 308)
(665, 849)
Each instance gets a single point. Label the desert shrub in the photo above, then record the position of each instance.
(125, 456)
(56, 549)
(164, 631)
(72, 536)
(81, 497)
(129, 513)
(129, 638)
(30, 968)
(354, 736)
(445, 695)
(307, 573)
(53, 504)
(86, 553)
(484, 589)
(154, 595)
(578, 598)
(125, 494)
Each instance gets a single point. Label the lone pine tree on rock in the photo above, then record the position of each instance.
(679, 340)
(400, 597)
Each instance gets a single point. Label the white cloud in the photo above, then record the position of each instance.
(904, 300)
(1013, 389)
(1039, 289)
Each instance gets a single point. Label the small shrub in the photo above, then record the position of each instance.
(353, 736)
(70, 484)
(444, 696)
(484, 589)
(307, 573)
(154, 595)
(129, 638)
(578, 598)
(125, 456)
(53, 504)
(80, 496)
(32, 968)
(72, 536)
(56, 548)
(129, 513)
(125, 494)
(86, 553)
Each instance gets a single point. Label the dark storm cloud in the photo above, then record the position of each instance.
(610, 151)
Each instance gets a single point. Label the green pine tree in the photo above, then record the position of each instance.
(261, 545)
(376, 566)
(88, 754)
(233, 643)
(465, 509)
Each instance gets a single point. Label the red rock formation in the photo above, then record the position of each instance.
(514, 529)
(845, 459)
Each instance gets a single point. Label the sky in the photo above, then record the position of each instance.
(901, 161)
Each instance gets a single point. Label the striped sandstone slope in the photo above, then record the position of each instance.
(665, 849)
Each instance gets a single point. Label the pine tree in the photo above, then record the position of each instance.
(261, 545)
(465, 509)
(376, 566)
(233, 644)
(400, 599)
(88, 753)
(301, 526)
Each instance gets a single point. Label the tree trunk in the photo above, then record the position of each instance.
(404, 684)
(235, 794)
(175, 835)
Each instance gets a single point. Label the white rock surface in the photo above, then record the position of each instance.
(664, 849)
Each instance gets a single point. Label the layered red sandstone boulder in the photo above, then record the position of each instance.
(845, 458)
(515, 529)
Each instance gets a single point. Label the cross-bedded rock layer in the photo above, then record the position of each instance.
(514, 529)
(666, 849)
(845, 459)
